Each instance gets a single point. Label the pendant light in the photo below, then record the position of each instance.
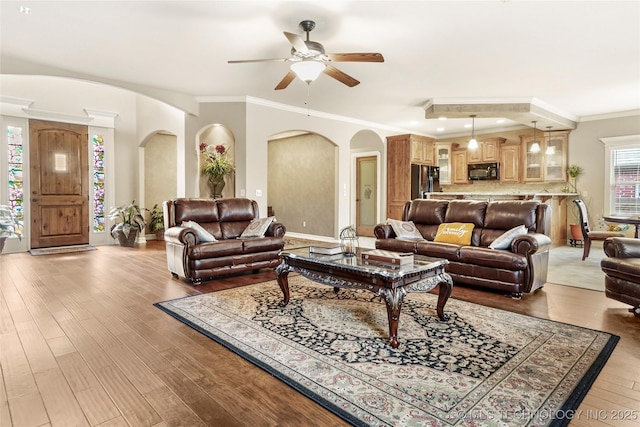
(535, 146)
(473, 144)
(551, 149)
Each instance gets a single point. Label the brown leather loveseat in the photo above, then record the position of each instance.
(189, 222)
(622, 271)
(521, 267)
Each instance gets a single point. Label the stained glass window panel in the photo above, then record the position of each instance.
(98, 184)
(15, 168)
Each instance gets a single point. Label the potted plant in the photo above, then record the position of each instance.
(9, 225)
(156, 221)
(128, 222)
(573, 172)
(216, 166)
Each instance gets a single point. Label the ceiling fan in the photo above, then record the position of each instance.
(309, 60)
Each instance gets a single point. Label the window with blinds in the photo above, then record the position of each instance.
(626, 180)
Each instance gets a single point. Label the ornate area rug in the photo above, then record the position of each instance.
(483, 367)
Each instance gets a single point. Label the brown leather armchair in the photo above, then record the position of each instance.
(226, 219)
(622, 271)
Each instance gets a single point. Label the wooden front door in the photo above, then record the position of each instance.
(59, 184)
(366, 199)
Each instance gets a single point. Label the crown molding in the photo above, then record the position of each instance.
(299, 110)
(12, 106)
(617, 115)
(56, 117)
(102, 118)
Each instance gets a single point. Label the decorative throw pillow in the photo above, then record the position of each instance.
(202, 233)
(454, 232)
(504, 240)
(405, 230)
(257, 227)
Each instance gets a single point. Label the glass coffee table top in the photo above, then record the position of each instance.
(420, 262)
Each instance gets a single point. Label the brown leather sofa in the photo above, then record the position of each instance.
(622, 271)
(520, 269)
(225, 219)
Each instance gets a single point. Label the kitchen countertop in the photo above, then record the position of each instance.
(540, 194)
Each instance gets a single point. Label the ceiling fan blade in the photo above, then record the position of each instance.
(286, 80)
(355, 57)
(258, 60)
(332, 71)
(297, 42)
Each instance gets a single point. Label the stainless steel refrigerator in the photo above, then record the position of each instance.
(424, 179)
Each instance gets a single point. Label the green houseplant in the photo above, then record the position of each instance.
(573, 172)
(215, 166)
(128, 222)
(156, 221)
(9, 225)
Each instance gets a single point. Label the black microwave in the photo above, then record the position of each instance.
(484, 171)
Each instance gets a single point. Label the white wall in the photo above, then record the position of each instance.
(252, 123)
(586, 150)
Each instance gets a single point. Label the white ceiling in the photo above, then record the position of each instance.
(579, 59)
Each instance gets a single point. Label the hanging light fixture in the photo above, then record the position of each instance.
(551, 149)
(308, 70)
(473, 144)
(535, 146)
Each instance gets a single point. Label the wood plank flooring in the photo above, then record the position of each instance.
(81, 344)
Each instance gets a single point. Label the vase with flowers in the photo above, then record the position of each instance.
(216, 166)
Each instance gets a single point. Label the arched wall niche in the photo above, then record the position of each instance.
(209, 139)
(159, 167)
(302, 182)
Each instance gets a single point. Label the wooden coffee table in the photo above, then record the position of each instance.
(392, 284)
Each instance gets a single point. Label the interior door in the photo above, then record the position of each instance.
(367, 195)
(59, 184)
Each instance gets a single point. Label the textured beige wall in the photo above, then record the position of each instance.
(302, 183)
(160, 170)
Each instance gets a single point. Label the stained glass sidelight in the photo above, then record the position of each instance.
(15, 167)
(98, 184)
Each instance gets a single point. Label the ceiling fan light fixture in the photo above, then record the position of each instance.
(308, 71)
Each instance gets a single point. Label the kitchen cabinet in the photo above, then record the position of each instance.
(488, 151)
(549, 163)
(443, 161)
(402, 151)
(459, 164)
(510, 163)
(422, 150)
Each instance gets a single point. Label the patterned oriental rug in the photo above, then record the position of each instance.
(483, 367)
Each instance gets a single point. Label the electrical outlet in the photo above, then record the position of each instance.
(243, 192)
(304, 224)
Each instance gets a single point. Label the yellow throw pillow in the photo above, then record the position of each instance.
(454, 232)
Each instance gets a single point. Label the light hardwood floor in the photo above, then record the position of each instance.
(81, 344)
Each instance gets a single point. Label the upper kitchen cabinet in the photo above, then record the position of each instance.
(488, 151)
(459, 163)
(546, 160)
(510, 163)
(443, 161)
(422, 150)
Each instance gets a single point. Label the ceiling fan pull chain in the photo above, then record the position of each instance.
(307, 100)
